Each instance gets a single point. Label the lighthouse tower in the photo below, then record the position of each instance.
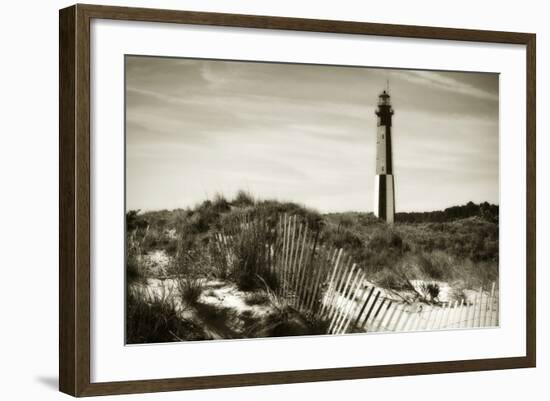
(384, 187)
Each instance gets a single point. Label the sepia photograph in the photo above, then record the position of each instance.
(268, 199)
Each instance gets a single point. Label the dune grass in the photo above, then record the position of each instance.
(460, 244)
(154, 318)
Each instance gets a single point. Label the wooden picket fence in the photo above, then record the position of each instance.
(325, 283)
(399, 316)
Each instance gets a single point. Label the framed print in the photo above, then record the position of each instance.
(313, 200)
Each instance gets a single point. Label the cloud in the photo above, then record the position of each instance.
(436, 80)
(305, 133)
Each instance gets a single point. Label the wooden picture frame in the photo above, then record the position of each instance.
(74, 199)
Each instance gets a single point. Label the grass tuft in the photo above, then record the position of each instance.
(257, 298)
(190, 290)
(154, 318)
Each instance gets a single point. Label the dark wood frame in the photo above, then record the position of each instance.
(74, 199)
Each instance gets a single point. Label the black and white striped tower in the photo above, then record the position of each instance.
(384, 187)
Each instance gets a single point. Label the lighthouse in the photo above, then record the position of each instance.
(384, 186)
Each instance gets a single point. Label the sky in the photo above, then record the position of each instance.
(305, 133)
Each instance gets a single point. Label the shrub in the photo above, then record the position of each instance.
(192, 256)
(430, 291)
(246, 254)
(135, 271)
(203, 220)
(388, 279)
(286, 321)
(394, 277)
(250, 275)
(153, 318)
(172, 248)
(243, 199)
(346, 221)
(135, 221)
(206, 215)
(252, 264)
(343, 238)
(460, 296)
(387, 238)
(191, 266)
(190, 289)
(432, 267)
(220, 204)
(273, 208)
(484, 210)
(257, 298)
(220, 262)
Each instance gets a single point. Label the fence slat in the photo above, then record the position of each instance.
(347, 299)
(377, 312)
(387, 326)
(337, 285)
(347, 271)
(494, 306)
(427, 320)
(437, 318)
(299, 268)
(407, 314)
(443, 316)
(283, 255)
(489, 307)
(384, 314)
(347, 303)
(415, 320)
(277, 245)
(354, 307)
(477, 321)
(340, 294)
(288, 267)
(307, 272)
(418, 321)
(332, 282)
(458, 316)
(317, 284)
(398, 318)
(370, 309)
(449, 314)
(366, 301)
(295, 262)
(313, 271)
(288, 279)
(472, 312)
(340, 301)
(316, 265)
(293, 253)
(468, 316)
(287, 256)
(497, 310)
